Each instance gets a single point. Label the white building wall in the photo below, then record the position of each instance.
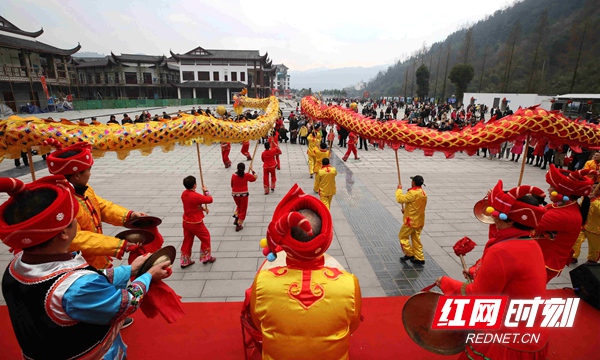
(514, 101)
(222, 69)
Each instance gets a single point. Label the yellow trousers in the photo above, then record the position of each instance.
(414, 234)
(311, 165)
(326, 200)
(593, 245)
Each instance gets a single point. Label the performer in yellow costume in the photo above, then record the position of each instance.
(75, 162)
(414, 220)
(590, 231)
(314, 139)
(325, 181)
(305, 309)
(318, 155)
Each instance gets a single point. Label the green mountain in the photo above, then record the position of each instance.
(533, 46)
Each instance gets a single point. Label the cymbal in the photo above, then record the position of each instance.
(138, 236)
(168, 251)
(479, 210)
(143, 222)
(417, 317)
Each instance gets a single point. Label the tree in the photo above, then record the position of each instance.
(422, 81)
(511, 44)
(467, 44)
(541, 28)
(461, 75)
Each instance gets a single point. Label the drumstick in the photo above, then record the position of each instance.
(464, 265)
(201, 176)
(254, 153)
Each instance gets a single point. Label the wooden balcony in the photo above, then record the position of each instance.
(23, 74)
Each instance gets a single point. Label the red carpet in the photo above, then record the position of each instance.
(213, 331)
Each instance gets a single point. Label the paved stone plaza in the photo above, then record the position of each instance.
(366, 217)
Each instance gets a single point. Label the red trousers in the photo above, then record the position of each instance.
(241, 203)
(266, 172)
(351, 149)
(191, 230)
(225, 156)
(245, 149)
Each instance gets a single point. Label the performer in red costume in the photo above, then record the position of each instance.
(225, 149)
(560, 227)
(269, 165)
(351, 147)
(305, 307)
(274, 141)
(239, 191)
(193, 223)
(245, 150)
(75, 163)
(511, 265)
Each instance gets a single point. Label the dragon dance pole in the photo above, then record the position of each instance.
(525, 150)
(201, 175)
(31, 168)
(254, 154)
(399, 178)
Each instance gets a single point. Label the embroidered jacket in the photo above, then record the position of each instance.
(98, 249)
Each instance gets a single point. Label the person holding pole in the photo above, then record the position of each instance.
(239, 191)
(351, 147)
(314, 139)
(318, 155)
(325, 182)
(225, 149)
(414, 220)
(269, 165)
(245, 148)
(193, 223)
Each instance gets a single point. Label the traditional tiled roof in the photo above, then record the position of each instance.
(17, 43)
(7, 26)
(211, 84)
(200, 53)
(138, 58)
(92, 62)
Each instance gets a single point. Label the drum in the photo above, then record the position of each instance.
(417, 317)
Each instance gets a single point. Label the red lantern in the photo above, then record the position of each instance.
(590, 102)
(504, 100)
(569, 101)
(552, 101)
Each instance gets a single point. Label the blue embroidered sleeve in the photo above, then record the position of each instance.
(94, 300)
(119, 276)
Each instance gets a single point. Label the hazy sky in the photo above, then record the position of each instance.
(303, 35)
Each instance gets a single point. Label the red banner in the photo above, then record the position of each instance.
(45, 86)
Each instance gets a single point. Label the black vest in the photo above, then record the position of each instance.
(39, 336)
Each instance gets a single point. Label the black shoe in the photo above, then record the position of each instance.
(406, 258)
(419, 262)
(574, 261)
(127, 323)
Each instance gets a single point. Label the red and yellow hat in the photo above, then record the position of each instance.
(78, 162)
(286, 216)
(505, 206)
(570, 183)
(45, 225)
